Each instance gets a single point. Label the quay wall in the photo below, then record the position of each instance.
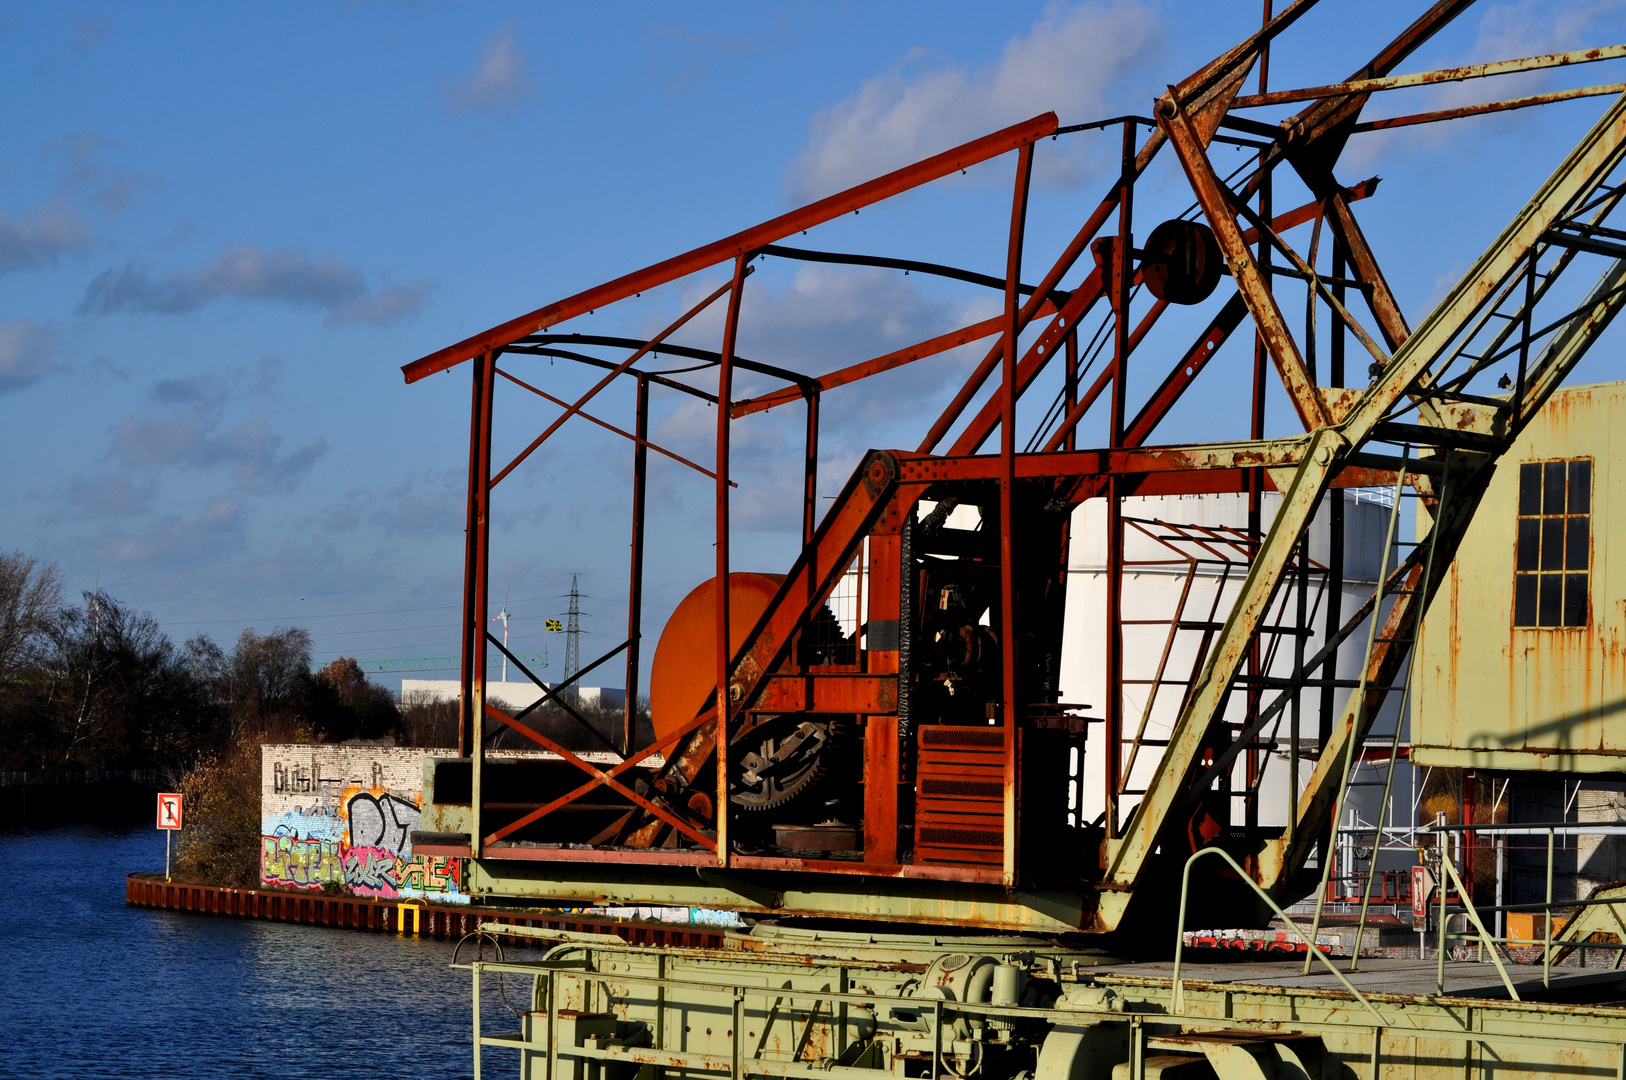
(404, 917)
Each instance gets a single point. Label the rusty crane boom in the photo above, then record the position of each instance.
(933, 734)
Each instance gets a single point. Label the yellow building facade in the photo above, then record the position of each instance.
(1523, 657)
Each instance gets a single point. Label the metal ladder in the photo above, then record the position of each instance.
(1391, 542)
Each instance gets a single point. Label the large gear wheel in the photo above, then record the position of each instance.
(790, 760)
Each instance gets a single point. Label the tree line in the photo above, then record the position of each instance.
(97, 684)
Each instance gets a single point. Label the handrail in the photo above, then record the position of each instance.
(1484, 935)
(1179, 1003)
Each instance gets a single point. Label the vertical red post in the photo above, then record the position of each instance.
(1468, 793)
(810, 477)
(1007, 506)
(881, 656)
(1335, 520)
(476, 541)
(725, 390)
(477, 555)
(1122, 281)
(635, 582)
(1256, 488)
(810, 495)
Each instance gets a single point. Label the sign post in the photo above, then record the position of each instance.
(169, 819)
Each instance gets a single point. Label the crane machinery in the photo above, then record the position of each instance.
(897, 796)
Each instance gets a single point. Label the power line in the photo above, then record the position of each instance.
(301, 595)
(390, 611)
(573, 635)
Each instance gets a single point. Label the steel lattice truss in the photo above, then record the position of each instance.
(1429, 392)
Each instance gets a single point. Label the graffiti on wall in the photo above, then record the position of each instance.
(287, 860)
(339, 823)
(384, 821)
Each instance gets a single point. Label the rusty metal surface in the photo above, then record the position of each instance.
(849, 1010)
(1494, 695)
(960, 628)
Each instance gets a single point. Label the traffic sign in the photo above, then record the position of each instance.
(1422, 883)
(169, 810)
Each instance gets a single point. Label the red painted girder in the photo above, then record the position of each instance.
(853, 373)
(599, 775)
(1125, 461)
(1103, 380)
(1267, 315)
(869, 695)
(1036, 303)
(861, 503)
(1083, 298)
(834, 206)
(1228, 319)
(1231, 481)
(838, 538)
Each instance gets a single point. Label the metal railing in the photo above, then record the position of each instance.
(740, 1062)
(1545, 907)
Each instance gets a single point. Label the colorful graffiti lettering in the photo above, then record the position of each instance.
(383, 821)
(371, 871)
(433, 875)
(287, 860)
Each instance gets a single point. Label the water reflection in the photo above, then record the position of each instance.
(92, 988)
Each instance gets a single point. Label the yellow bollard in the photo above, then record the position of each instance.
(414, 906)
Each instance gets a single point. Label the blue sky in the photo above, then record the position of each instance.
(223, 228)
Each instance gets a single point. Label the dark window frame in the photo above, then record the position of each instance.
(1552, 544)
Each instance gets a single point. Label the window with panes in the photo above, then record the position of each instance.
(1553, 562)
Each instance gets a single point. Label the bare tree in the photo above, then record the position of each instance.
(266, 678)
(345, 704)
(30, 597)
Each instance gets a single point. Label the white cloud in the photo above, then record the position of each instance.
(108, 189)
(243, 272)
(188, 430)
(118, 494)
(928, 103)
(499, 83)
(174, 541)
(42, 236)
(1529, 27)
(822, 318)
(1507, 31)
(249, 449)
(389, 303)
(25, 354)
(687, 60)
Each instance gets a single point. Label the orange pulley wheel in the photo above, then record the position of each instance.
(683, 679)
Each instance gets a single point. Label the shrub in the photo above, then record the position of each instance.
(220, 843)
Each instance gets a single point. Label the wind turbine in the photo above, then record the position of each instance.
(502, 617)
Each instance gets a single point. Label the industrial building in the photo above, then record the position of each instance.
(513, 695)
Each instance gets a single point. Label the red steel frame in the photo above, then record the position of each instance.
(878, 503)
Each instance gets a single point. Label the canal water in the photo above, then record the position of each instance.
(92, 988)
